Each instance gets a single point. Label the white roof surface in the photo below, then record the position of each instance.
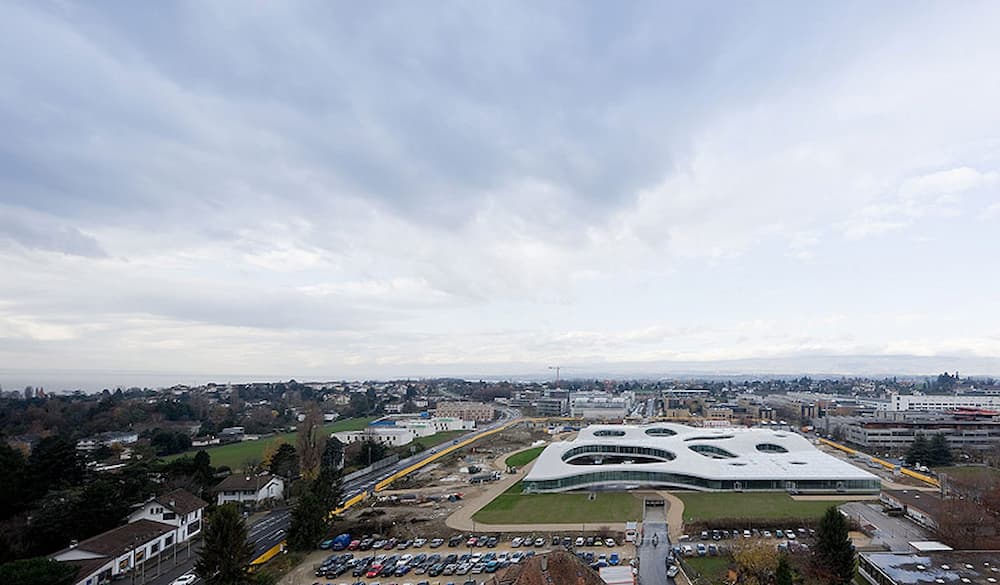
(802, 461)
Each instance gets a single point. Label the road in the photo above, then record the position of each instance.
(652, 551)
(368, 482)
(264, 534)
(895, 533)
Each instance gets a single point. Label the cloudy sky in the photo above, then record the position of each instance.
(378, 189)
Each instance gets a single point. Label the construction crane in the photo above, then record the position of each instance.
(556, 368)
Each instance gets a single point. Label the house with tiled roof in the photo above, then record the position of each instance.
(250, 490)
(179, 508)
(104, 557)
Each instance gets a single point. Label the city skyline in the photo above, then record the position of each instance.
(346, 191)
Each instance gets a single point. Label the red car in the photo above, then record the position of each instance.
(373, 571)
(354, 545)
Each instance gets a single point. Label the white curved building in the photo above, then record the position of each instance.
(678, 456)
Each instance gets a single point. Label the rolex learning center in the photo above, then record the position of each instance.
(623, 457)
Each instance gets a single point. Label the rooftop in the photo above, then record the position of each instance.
(938, 567)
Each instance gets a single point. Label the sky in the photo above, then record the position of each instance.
(343, 189)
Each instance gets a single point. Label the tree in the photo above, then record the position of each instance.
(284, 461)
(756, 562)
(12, 489)
(833, 555)
(309, 521)
(310, 443)
(54, 464)
(225, 554)
(961, 523)
(38, 571)
(919, 451)
(938, 451)
(783, 572)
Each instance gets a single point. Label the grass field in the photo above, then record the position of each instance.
(709, 569)
(437, 438)
(970, 473)
(513, 507)
(709, 506)
(236, 454)
(524, 457)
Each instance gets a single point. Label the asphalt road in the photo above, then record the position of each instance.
(264, 533)
(652, 551)
(896, 533)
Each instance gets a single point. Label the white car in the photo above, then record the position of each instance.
(790, 535)
(672, 571)
(186, 579)
(516, 542)
(609, 542)
(579, 541)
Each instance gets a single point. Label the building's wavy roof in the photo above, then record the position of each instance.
(717, 454)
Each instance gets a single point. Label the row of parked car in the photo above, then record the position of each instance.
(563, 541)
(790, 534)
(375, 542)
(433, 564)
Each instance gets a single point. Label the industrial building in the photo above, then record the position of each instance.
(680, 456)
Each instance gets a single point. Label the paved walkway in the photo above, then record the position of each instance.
(652, 550)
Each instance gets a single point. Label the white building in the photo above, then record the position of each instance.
(600, 405)
(403, 431)
(107, 440)
(106, 556)
(178, 508)
(672, 455)
(929, 402)
(250, 489)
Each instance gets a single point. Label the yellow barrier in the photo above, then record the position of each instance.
(268, 554)
(388, 481)
(908, 472)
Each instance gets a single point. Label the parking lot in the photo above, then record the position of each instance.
(718, 542)
(458, 559)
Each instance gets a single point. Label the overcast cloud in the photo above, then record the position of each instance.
(352, 189)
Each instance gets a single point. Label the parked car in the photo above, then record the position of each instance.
(185, 579)
(614, 559)
(672, 571)
(609, 542)
(579, 541)
(437, 542)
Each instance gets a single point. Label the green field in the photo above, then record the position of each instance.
(762, 506)
(436, 439)
(524, 457)
(970, 473)
(236, 454)
(513, 507)
(708, 569)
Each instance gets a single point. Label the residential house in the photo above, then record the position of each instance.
(104, 557)
(178, 508)
(250, 489)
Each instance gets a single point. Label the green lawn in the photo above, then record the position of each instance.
(969, 473)
(236, 454)
(513, 507)
(436, 439)
(524, 457)
(709, 569)
(707, 506)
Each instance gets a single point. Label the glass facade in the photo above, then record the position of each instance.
(607, 433)
(771, 448)
(712, 451)
(610, 478)
(651, 452)
(660, 432)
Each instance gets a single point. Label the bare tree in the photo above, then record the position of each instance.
(310, 443)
